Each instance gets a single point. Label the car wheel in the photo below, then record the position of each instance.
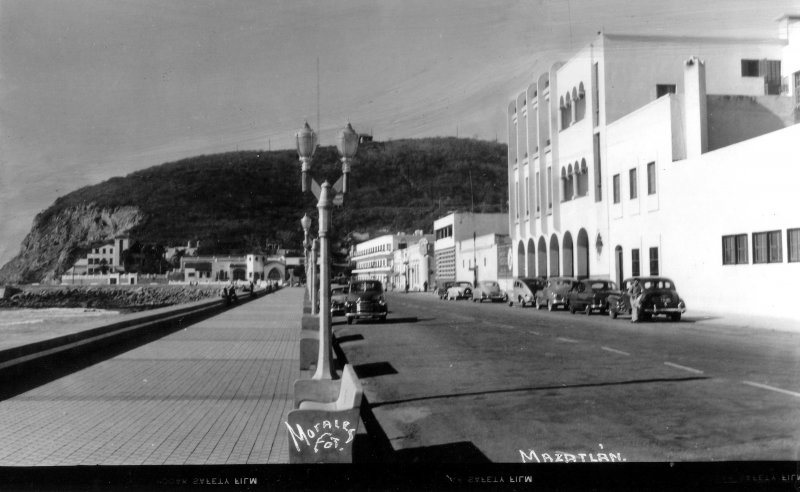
(612, 314)
(510, 303)
(571, 309)
(676, 317)
(349, 320)
(588, 310)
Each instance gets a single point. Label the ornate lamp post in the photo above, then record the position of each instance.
(311, 266)
(347, 144)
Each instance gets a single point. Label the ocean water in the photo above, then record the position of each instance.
(20, 326)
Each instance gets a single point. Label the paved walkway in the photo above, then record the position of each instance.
(216, 392)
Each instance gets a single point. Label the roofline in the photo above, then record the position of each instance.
(694, 39)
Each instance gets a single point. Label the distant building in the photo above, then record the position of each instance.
(375, 259)
(451, 230)
(485, 257)
(252, 267)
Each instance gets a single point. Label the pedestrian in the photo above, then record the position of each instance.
(232, 294)
(635, 295)
(425, 286)
(406, 287)
(224, 294)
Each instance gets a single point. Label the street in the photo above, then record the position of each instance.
(461, 381)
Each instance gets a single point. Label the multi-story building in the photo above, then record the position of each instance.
(375, 259)
(451, 230)
(108, 257)
(484, 258)
(413, 265)
(662, 155)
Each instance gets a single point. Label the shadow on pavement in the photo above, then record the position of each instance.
(349, 338)
(374, 369)
(455, 452)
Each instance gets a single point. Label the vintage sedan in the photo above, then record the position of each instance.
(523, 290)
(554, 294)
(459, 290)
(441, 291)
(659, 297)
(589, 295)
(365, 300)
(488, 290)
(338, 298)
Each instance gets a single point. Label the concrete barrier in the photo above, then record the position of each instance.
(324, 424)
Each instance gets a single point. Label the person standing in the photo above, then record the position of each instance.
(425, 286)
(635, 294)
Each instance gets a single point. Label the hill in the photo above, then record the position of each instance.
(237, 202)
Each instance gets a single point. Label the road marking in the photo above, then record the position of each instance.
(568, 340)
(696, 371)
(609, 349)
(771, 388)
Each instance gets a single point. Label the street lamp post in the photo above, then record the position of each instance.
(347, 145)
(311, 262)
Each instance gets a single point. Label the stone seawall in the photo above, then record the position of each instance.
(108, 296)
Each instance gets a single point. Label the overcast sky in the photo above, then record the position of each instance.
(93, 89)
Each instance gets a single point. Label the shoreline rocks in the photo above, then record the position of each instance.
(134, 297)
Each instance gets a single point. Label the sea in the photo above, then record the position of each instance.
(23, 325)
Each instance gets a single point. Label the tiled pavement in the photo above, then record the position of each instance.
(216, 392)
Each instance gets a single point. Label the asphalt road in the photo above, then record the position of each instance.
(455, 381)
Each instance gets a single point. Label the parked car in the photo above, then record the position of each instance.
(460, 290)
(441, 291)
(488, 290)
(659, 297)
(554, 294)
(523, 290)
(338, 298)
(365, 300)
(589, 295)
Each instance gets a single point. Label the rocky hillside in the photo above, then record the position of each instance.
(108, 297)
(240, 201)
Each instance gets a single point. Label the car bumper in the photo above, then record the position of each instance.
(367, 311)
(665, 310)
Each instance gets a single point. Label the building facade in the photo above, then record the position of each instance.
(634, 158)
(484, 258)
(449, 232)
(394, 259)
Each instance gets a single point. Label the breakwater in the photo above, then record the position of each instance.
(126, 297)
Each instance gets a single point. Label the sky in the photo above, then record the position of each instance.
(93, 89)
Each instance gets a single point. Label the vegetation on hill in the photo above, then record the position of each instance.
(240, 201)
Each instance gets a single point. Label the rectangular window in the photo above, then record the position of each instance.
(734, 249)
(664, 89)
(635, 262)
(651, 178)
(632, 181)
(527, 192)
(516, 209)
(653, 261)
(616, 188)
(549, 188)
(797, 89)
(598, 180)
(767, 247)
(538, 194)
(793, 244)
(596, 94)
(749, 68)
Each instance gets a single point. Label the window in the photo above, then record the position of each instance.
(632, 182)
(749, 68)
(664, 89)
(527, 189)
(598, 181)
(797, 89)
(635, 262)
(653, 261)
(651, 178)
(734, 249)
(549, 188)
(793, 244)
(595, 94)
(616, 188)
(767, 247)
(537, 193)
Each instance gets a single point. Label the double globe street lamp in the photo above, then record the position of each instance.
(327, 196)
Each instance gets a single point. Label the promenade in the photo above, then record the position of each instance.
(216, 392)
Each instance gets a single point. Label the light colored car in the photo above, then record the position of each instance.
(488, 290)
(460, 290)
(338, 298)
(523, 290)
(554, 294)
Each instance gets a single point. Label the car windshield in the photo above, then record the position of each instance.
(366, 286)
(464, 284)
(489, 285)
(661, 284)
(600, 285)
(534, 284)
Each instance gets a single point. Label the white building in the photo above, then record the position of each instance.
(454, 228)
(484, 258)
(375, 260)
(663, 156)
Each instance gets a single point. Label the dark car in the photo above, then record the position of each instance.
(659, 297)
(589, 295)
(365, 300)
(459, 290)
(554, 294)
(523, 290)
(441, 291)
(488, 290)
(338, 298)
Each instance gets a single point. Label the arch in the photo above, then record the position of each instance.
(583, 179)
(618, 266)
(520, 266)
(565, 185)
(555, 257)
(582, 258)
(574, 95)
(580, 103)
(274, 274)
(542, 263)
(567, 249)
(530, 267)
